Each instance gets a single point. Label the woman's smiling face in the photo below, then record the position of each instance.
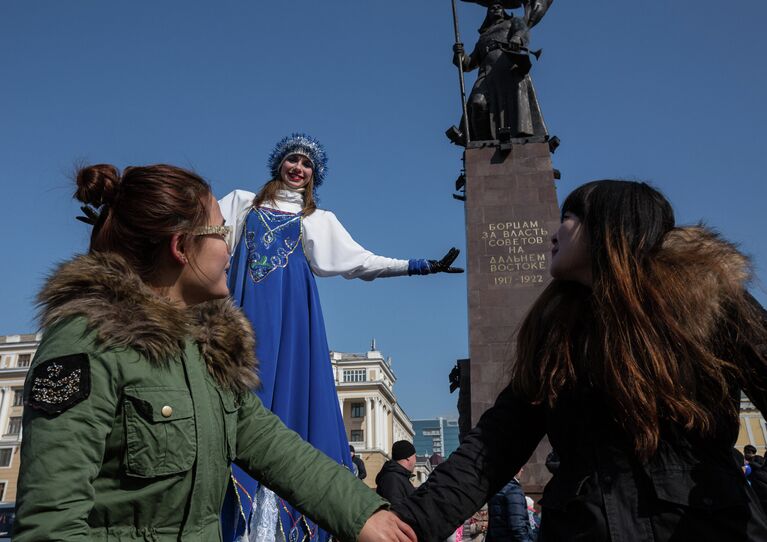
(296, 171)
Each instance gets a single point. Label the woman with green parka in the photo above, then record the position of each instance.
(138, 400)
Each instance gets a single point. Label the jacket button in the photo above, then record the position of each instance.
(166, 411)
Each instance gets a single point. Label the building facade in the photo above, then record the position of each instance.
(16, 353)
(435, 436)
(753, 429)
(373, 418)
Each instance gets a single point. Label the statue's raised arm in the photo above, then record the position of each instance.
(535, 10)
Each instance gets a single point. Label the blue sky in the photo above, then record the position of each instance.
(671, 93)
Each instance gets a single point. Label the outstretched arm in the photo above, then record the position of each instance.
(331, 251)
(488, 457)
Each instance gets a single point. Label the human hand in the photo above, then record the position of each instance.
(458, 53)
(444, 265)
(384, 526)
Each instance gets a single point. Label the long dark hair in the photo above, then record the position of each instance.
(646, 335)
(141, 209)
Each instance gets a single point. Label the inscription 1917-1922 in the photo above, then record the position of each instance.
(515, 252)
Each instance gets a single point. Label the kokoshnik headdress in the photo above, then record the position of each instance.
(302, 144)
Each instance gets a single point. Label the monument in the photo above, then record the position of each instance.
(510, 203)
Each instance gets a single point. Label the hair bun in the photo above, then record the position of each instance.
(97, 184)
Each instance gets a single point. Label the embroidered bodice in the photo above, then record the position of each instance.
(328, 247)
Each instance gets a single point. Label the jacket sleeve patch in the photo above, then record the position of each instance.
(60, 383)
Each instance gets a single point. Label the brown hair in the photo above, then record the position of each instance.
(141, 209)
(268, 193)
(657, 349)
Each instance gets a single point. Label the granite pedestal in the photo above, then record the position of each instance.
(511, 213)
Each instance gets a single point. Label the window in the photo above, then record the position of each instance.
(5, 457)
(24, 360)
(18, 397)
(14, 425)
(357, 435)
(355, 375)
(358, 410)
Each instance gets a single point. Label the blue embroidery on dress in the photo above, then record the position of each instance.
(271, 243)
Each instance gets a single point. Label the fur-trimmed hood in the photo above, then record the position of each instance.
(705, 277)
(125, 312)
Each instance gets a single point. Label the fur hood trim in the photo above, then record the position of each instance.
(712, 253)
(705, 278)
(125, 313)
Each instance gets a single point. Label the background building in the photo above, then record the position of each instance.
(753, 429)
(435, 436)
(16, 352)
(372, 417)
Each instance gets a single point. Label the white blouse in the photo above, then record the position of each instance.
(328, 246)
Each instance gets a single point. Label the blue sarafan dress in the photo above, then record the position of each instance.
(277, 253)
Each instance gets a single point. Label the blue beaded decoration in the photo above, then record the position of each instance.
(269, 247)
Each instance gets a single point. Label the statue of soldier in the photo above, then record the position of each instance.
(503, 95)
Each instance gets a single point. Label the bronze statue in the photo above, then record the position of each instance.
(503, 96)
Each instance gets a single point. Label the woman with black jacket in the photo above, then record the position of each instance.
(631, 361)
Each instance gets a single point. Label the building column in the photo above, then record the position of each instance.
(5, 404)
(378, 425)
(368, 423)
(384, 435)
(747, 420)
(386, 443)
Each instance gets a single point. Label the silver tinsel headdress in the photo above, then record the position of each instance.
(304, 145)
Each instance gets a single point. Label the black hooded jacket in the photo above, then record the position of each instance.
(393, 482)
(689, 489)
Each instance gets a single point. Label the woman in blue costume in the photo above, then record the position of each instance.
(282, 241)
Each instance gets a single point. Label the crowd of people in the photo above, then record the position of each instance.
(182, 391)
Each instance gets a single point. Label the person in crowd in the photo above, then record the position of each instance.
(282, 240)
(749, 452)
(632, 360)
(139, 396)
(475, 528)
(393, 481)
(757, 477)
(534, 516)
(552, 461)
(358, 464)
(507, 518)
(740, 460)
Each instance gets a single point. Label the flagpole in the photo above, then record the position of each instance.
(460, 75)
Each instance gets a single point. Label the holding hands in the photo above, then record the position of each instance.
(384, 526)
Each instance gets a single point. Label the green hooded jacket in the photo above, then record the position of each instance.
(136, 409)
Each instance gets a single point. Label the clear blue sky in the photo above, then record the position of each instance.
(670, 92)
